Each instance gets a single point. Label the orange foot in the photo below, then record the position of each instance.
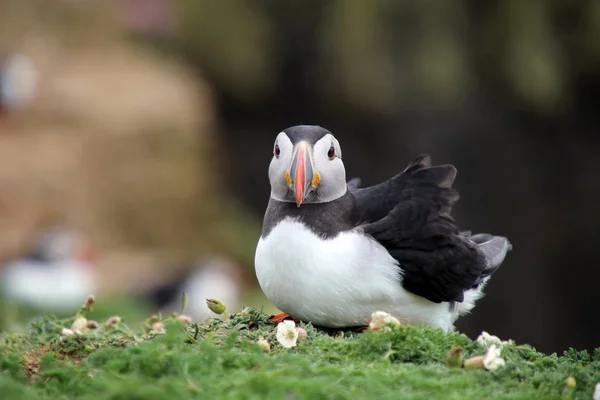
(277, 318)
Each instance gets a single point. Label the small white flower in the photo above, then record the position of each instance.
(66, 332)
(79, 325)
(596, 395)
(382, 320)
(287, 334)
(486, 339)
(492, 360)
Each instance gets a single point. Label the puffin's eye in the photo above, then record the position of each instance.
(277, 152)
(331, 153)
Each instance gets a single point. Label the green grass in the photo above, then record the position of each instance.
(221, 360)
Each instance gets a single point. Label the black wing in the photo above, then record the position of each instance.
(410, 216)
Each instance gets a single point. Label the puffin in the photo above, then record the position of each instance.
(215, 277)
(332, 252)
(56, 275)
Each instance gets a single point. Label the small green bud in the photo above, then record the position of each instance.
(112, 321)
(92, 325)
(216, 306)
(153, 319)
(89, 302)
(454, 359)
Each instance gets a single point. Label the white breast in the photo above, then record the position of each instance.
(337, 282)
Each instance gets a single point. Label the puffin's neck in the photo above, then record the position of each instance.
(325, 219)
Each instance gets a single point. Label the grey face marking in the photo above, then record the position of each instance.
(310, 134)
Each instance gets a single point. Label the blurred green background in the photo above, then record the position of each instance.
(152, 123)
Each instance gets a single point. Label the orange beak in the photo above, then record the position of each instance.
(301, 172)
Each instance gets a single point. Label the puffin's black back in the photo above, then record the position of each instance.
(410, 216)
(166, 293)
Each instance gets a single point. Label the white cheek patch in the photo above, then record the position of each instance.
(320, 150)
(285, 146)
(280, 165)
(332, 172)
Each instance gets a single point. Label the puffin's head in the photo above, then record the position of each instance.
(307, 166)
(60, 245)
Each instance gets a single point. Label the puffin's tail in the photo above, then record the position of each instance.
(494, 249)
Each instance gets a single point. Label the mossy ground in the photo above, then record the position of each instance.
(221, 359)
